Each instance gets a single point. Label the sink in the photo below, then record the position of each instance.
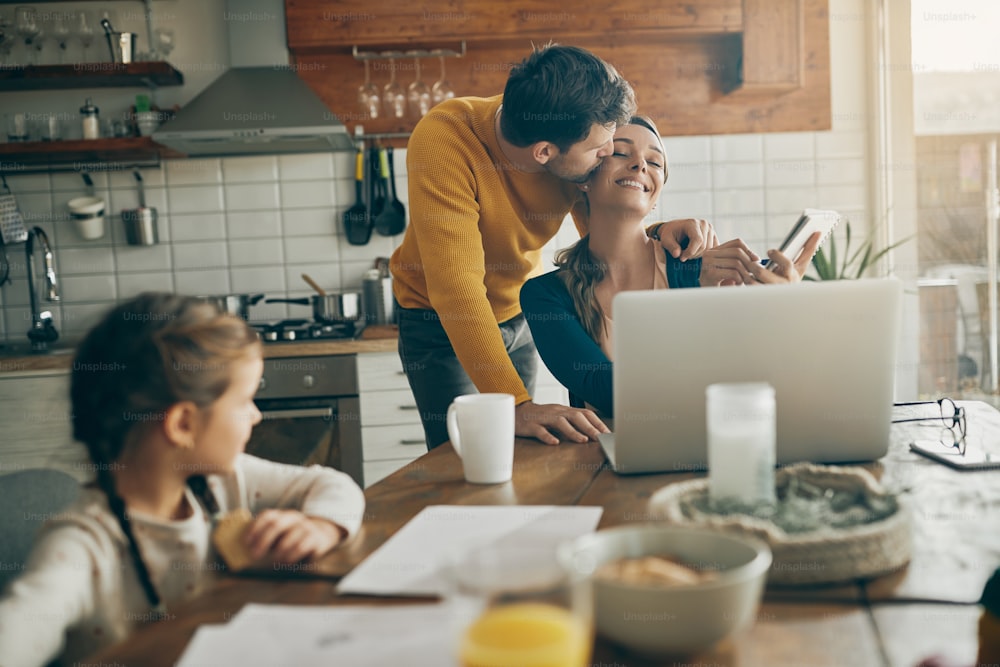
(23, 349)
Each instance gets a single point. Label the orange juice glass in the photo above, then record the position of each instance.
(534, 612)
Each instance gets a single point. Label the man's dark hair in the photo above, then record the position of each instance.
(558, 93)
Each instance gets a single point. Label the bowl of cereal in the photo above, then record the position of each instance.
(664, 590)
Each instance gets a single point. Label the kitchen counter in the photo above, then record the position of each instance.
(17, 358)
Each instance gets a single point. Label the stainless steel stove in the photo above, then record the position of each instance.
(286, 331)
(310, 403)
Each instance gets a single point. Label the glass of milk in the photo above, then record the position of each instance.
(741, 441)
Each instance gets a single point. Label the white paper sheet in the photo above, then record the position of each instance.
(270, 635)
(413, 561)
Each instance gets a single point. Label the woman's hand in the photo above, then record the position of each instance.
(289, 536)
(784, 270)
(700, 236)
(731, 263)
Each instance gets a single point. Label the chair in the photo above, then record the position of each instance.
(27, 499)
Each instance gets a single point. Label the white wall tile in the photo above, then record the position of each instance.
(202, 283)
(751, 228)
(790, 201)
(77, 261)
(738, 202)
(352, 274)
(789, 146)
(842, 197)
(257, 169)
(198, 227)
(696, 204)
(125, 198)
(203, 256)
(378, 246)
(251, 197)
(781, 173)
(687, 150)
(306, 194)
(344, 195)
(311, 222)
(266, 279)
(689, 177)
(143, 258)
(203, 171)
(89, 288)
(307, 249)
(840, 171)
(737, 175)
(24, 183)
(306, 167)
(131, 284)
(255, 252)
(253, 224)
(77, 319)
(737, 148)
(326, 275)
(126, 179)
(841, 144)
(195, 199)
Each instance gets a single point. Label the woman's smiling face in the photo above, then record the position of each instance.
(632, 176)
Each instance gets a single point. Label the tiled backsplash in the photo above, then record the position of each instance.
(255, 224)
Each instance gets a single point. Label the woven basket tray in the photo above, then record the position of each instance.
(824, 555)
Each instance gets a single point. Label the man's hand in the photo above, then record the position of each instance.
(538, 421)
(700, 236)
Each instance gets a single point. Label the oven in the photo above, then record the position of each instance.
(311, 413)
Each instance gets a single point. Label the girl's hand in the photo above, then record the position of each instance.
(731, 263)
(289, 536)
(784, 270)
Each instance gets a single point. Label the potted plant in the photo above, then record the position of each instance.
(851, 266)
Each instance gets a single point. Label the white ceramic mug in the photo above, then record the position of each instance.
(481, 429)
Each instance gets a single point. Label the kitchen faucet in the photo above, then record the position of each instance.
(42, 331)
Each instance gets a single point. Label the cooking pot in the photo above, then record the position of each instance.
(237, 304)
(334, 307)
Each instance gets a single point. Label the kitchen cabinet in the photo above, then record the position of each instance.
(391, 432)
(37, 432)
(712, 67)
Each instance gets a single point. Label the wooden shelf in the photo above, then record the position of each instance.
(90, 75)
(82, 154)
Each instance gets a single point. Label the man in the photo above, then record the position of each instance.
(490, 182)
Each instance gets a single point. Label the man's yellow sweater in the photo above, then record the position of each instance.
(477, 226)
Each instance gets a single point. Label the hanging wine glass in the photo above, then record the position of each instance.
(368, 95)
(6, 37)
(418, 95)
(28, 28)
(394, 96)
(441, 90)
(61, 22)
(163, 43)
(83, 27)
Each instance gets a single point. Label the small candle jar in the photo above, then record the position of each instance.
(741, 441)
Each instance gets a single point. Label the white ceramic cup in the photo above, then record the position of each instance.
(481, 429)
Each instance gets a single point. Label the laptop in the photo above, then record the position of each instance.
(827, 348)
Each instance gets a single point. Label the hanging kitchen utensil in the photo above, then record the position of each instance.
(87, 212)
(312, 283)
(399, 218)
(378, 185)
(387, 223)
(140, 223)
(12, 229)
(357, 222)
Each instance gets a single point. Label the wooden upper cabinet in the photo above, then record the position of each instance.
(698, 67)
(316, 24)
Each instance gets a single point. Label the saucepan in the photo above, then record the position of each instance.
(333, 307)
(237, 304)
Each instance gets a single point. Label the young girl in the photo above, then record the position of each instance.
(162, 392)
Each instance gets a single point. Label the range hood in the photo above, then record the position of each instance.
(260, 106)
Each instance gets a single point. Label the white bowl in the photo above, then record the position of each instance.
(672, 620)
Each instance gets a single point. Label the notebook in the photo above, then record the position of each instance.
(828, 348)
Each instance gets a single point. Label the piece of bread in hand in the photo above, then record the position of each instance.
(228, 539)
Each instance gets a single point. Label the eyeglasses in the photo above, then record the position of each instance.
(951, 415)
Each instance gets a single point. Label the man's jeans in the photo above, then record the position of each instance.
(435, 374)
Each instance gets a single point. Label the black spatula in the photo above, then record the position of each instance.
(392, 220)
(357, 222)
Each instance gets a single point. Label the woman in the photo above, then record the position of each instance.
(568, 310)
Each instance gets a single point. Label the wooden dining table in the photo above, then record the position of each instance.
(927, 608)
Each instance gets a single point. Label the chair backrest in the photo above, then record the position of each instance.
(28, 498)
